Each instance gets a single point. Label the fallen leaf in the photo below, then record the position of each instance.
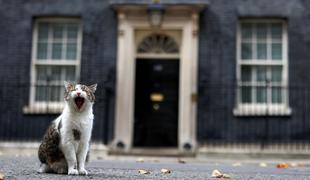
(300, 165)
(216, 173)
(142, 171)
(181, 161)
(236, 164)
(294, 164)
(1, 176)
(226, 176)
(165, 171)
(262, 164)
(282, 165)
(140, 160)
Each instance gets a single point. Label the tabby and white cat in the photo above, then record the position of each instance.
(65, 145)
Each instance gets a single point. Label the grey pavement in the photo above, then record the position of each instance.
(19, 167)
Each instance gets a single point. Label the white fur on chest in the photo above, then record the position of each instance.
(80, 121)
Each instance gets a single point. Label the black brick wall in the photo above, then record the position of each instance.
(217, 65)
(97, 65)
(217, 72)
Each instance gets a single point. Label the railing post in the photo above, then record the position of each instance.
(265, 139)
(48, 92)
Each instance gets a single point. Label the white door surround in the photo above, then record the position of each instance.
(133, 19)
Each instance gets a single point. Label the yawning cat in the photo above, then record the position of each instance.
(66, 142)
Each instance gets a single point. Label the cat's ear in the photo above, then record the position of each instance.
(68, 85)
(93, 88)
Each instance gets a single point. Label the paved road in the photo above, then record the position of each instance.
(26, 168)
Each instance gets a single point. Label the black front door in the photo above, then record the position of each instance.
(156, 103)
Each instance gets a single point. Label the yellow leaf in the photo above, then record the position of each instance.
(216, 173)
(262, 164)
(142, 171)
(165, 171)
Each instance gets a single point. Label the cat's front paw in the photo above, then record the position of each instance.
(43, 168)
(73, 172)
(83, 172)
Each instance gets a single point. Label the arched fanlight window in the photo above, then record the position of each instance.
(158, 43)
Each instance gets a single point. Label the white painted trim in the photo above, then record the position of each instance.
(44, 108)
(250, 109)
(268, 62)
(194, 79)
(124, 87)
(33, 106)
(57, 63)
(126, 57)
(262, 110)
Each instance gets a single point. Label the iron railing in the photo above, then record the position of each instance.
(219, 124)
(25, 117)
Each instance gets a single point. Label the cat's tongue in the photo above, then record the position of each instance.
(79, 101)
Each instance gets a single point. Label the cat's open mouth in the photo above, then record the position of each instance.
(79, 101)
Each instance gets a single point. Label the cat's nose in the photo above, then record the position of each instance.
(78, 94)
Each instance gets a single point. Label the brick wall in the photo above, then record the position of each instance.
(217, 64)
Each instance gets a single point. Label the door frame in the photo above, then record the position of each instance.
(180, 18)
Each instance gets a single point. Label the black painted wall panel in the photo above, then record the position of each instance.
(217, 66)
